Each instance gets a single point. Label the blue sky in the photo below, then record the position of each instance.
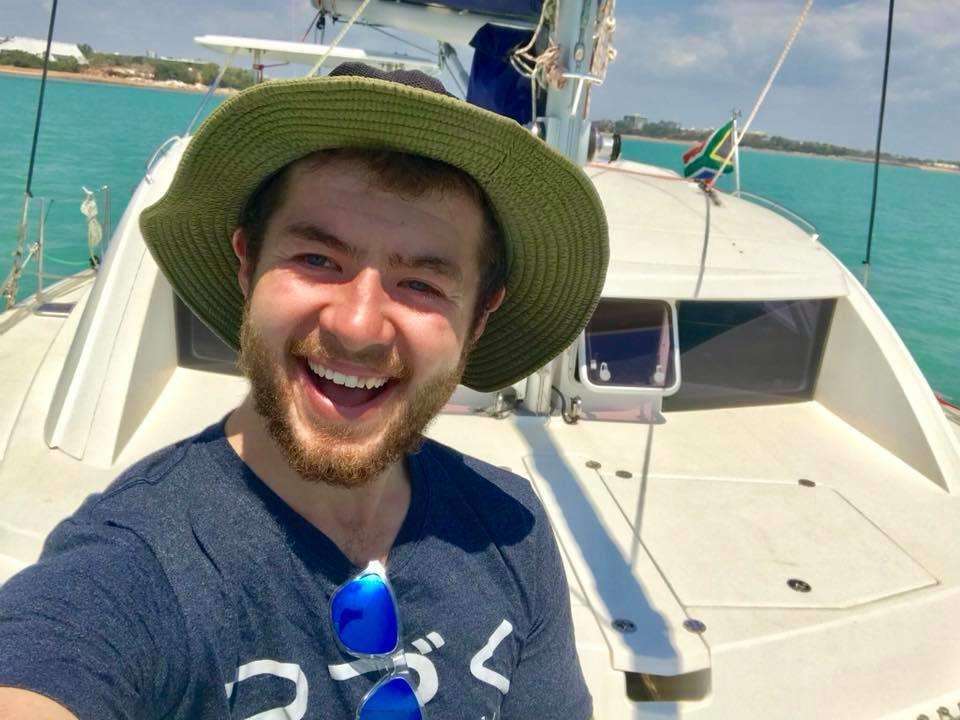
(685, 60)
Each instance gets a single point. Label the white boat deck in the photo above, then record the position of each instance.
(714, 505)
(659, 242)
(700, 518)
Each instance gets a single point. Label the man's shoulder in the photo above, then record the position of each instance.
(504, 502)
(473, 474)
(167, 478)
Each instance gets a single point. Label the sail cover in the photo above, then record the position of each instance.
(494, 82)
(528, 10)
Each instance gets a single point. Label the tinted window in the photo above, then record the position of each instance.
(629, 343)
(749, 353)
(198, 347)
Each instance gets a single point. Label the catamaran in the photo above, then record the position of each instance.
(752, 484)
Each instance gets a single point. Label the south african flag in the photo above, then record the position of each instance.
(703, 160)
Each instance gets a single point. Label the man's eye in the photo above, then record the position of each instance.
(422, 287)
(315, 260)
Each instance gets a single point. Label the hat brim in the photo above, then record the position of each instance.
(553, 222)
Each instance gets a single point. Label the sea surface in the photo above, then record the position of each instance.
(94, 135)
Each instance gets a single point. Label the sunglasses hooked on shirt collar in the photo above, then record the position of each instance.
(366, 624)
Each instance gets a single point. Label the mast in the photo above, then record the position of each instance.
(576, 26)
(568, 128)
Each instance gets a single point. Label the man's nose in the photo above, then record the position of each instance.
(358, 316)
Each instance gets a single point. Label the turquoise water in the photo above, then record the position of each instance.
(92, 135)
(97, 135)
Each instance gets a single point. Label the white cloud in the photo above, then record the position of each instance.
(693, 61)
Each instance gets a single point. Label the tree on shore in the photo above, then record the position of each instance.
(148, 68)
(670, 130)
(19, 58)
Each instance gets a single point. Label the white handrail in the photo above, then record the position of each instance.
(156, 155)
(789, 214)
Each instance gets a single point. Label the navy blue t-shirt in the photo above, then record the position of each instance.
(188, 589)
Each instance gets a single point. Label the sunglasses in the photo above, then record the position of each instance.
(366, 623)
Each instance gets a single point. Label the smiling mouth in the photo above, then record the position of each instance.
(347, 391)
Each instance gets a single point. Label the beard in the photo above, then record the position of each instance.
(337, 454)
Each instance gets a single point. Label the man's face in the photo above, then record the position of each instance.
(358, 318)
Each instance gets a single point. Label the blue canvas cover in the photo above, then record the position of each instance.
(494, 83)
(521, 9)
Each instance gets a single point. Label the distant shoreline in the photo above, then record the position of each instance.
(851, 158)
(109, 80)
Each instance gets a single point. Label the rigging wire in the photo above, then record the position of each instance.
(400, 39)
(766, 89)
(313, 23)
(336, 41)
(10, 286)
(876, 156)
(453, 75)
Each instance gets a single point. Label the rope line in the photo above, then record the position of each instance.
(626, 171)
(421, 48)
(543, 69)
(312, 25)
(77, 263)
(339, 37)
(776, 69)
(876, 155)
(603, 51)
(706, 244)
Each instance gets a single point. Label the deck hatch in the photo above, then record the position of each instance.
(731, 543)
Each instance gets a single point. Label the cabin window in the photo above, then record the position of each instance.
(629, 344)
(749, 353)
(198, 347)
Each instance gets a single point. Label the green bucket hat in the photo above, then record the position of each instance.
(553, 224)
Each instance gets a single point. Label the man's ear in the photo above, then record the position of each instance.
(239, 243)
(495, 302)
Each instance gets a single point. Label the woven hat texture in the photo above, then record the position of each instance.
(553, 223)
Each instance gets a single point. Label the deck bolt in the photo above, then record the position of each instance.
(798, 585)
(806, 483)
(593, 464)
(624, 626)
(695, 626)
(624, 474)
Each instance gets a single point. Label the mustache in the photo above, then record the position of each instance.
(379, 359)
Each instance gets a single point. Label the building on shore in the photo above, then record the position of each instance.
(634, 122)
(35, 46)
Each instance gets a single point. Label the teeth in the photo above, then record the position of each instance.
(350, 381)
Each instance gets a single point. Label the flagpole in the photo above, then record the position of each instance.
(736, 155)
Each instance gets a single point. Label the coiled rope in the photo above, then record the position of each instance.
(604, 52)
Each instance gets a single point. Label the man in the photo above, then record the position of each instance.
(367, 242)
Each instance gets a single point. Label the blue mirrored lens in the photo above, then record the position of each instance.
(364, 616)
(394, 700)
